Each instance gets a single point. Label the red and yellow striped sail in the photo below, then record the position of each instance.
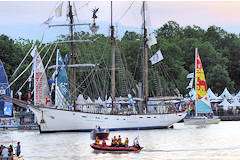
(201, 85)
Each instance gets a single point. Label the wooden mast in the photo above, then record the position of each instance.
(113, 62)
(73, 54)
(145, 58)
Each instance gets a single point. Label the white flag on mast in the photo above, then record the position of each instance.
(151, 40)
(156, 57)
(58, 10)
(190, 75)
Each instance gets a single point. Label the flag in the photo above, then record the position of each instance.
(58, 10)
(47, 22)
(66, 60)
(190, 75)
(7, 108)
(151, 40)
(131, 101)
(156, 57)
(188, 110)
(51, 80)
(201, 85)
(33, 52)
(190, 84)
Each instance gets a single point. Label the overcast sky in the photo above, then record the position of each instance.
(24, 18)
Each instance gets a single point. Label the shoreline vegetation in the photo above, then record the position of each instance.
(219, 53)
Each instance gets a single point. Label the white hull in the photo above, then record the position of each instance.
(200, 121)
(63, 121)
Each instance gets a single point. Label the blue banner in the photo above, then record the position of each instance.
(131, 101)
(7, 108)
(62, 98)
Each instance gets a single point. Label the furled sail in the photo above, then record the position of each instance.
(62, 93)
(41, 88)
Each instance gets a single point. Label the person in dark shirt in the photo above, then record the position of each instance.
(18, 150)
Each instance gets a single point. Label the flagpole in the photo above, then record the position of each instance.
(196, 51)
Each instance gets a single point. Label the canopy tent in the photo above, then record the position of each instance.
(226, 94)
(80, 99)
(89, 100)
(99, 100)
(225, 104)
(212, 96)
(238, 95)
(235, 103)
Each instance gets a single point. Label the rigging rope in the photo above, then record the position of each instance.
(28, 67)
(125, 11)
(23, 59)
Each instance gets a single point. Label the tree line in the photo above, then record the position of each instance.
(219, 52)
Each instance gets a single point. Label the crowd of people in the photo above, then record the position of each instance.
(116, 142)
(8, 151)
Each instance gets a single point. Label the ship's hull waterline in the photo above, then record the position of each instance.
(53, 120)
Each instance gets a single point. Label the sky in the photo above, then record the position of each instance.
(24, 18)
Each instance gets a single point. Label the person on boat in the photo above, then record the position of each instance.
(119, 140)
(18, 149)
(113, 144)
(126, 142)
(97, 141)
(136, 143)
(115, 140)
(104, 143)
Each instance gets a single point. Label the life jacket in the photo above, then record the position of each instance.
(126, 142)
(115, 140)
(104, 143)
(97, 141)
(119, 140)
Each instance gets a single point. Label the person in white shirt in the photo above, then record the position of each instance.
(5, 152)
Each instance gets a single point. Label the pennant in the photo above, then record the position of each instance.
(47, 22)
(156, 57)
(66, 60)
(151, 40)
(58, 10)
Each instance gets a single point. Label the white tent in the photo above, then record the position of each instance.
(212, 96)
(80, 99)
(89, 100)
(238, 95)
(235, 102)
(225, 104)
(99, 100)
(226, 94)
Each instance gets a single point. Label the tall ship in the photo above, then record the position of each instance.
(66, 113)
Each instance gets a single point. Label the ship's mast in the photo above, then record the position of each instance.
(73, 53)
(145, 57)
(113, 62)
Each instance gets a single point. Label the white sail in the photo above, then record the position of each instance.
(41, 88)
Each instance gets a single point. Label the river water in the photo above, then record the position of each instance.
(213, 142)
